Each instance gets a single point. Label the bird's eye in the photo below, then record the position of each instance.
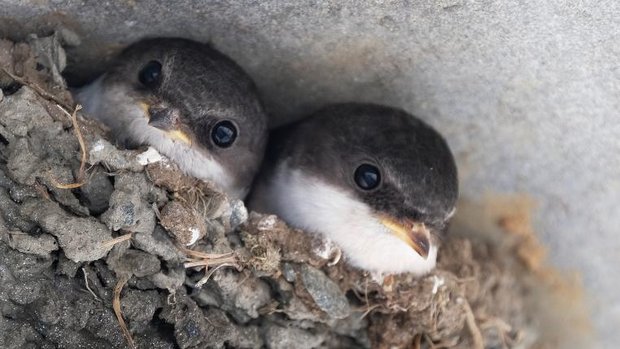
(367, 177)
(224, 134)
(150, 73)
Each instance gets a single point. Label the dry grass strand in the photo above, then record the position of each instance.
(116, 305)
(470, 320)
(38, 89)
(110, 243)
(83, 150)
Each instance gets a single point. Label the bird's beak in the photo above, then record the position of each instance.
(414, 234)
(167, 120)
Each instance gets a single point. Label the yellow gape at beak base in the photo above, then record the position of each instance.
(413, 234)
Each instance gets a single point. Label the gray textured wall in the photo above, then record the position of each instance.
(526, 94)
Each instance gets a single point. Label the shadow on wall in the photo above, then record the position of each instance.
(293, 88)
(293, 83)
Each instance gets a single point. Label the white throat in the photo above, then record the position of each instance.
(308, 203)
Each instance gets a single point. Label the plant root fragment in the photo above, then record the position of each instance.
(116, 305)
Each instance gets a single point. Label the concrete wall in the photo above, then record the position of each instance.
(527, 93)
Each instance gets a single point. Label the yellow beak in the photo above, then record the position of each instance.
(180, 136)
(414, 234)
(145, 108)
(175, 134)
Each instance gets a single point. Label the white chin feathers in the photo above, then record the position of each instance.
(315, 206)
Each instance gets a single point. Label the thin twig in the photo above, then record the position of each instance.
(172, 298)
(59, 185)
(369, 310)
(202, 255)
(500, 326)
(116, 240)
(37, 89)
(41, 190)
(210, 273)
(471, 325)
(366, 293)
(417, 341)
(83, 150)
(210, 261)
(116, 305)
(87, 286)
(444, 343)
(156, 210)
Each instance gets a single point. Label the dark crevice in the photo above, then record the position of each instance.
(164, 329)
(56, 258)
(277, 294)
(36, 231)
(12, 88)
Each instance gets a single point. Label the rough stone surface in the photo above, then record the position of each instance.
(238, 214)
(133, 262)
(81, 238)
(95, 193)
(325, 292)
(278, 337)
(17, 192)
(208, 328)
(10, 214)
(41, 246)
(105, 153)
(129, 209)
(140, 306)
(159, 243)
(171, 280)
(66, 266)
(241, 299)
(185, 223)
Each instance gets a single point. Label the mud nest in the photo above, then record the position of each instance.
(102, 247)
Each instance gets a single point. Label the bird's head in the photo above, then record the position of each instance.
(195, 96)
(376, 180)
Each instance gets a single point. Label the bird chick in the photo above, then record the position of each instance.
(188, 101)
(375, 180)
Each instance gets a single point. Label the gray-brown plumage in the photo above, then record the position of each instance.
(375, 180)
(190, 102)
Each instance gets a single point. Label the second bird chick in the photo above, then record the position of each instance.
(191, 103)
(375, 180)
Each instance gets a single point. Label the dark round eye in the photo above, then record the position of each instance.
(367, 176)
(150, 73)
(224, 134)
